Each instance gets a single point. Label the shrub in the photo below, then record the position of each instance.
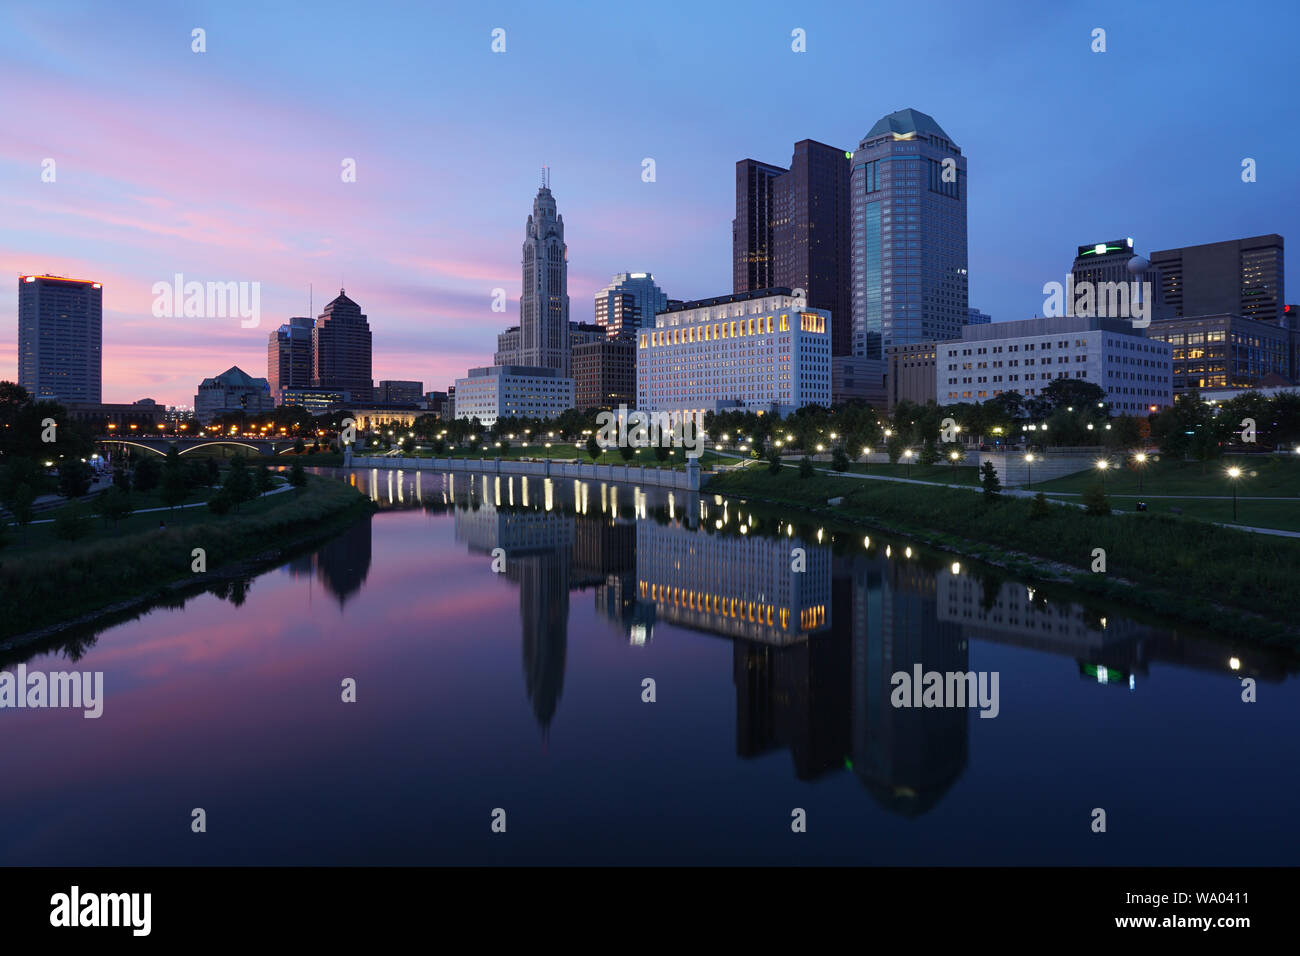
(221, 502)
(1095, 500)
(806, 467)
(773, 461)
(70, 523)
(147, 474)
(989, 479)
(840, 460)
(593, 448)
(1039, 508)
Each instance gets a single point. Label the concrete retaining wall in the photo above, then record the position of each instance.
(686, 480)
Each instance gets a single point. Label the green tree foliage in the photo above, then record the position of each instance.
(806, 469)
(1095, 501)
(989, 479)
(1039, 508)
(593, 448)
(72, 523)
(297, 475)
(773, 460)
(75, 477)
(113, 504)
(147, 473)
(840, 459)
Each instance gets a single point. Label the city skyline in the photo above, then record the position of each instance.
(156, 174)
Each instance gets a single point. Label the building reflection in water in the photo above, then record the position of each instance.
(814, 650)
(341, 564)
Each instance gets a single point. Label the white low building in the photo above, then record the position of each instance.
(1026, 356)
(760, 351)
(512, 391)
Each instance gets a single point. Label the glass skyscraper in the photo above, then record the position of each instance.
(908, 203)
(647, 301)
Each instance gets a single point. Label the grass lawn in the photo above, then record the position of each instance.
(939, 474)
(1262, 476)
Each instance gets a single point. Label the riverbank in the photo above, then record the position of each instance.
(77, 583)
(1237, 583)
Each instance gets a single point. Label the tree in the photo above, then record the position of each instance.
(840, 459)
(238, 484)
(75, 477)
(773, 460)
(21, 506)
(262, 478)
(989, 479)
(220, 503)
(661, 452)
(121, 479)
(1039, 508)
(625, 452)
(214, 472)
(113, 504)
(806, 469)
(1076, 392)
(593, 448)
(297, 476)
(70, 523)
(1095, 500)
(929, 453)
(894, 446)
(147, 474)
(174, 487)
(300, 446)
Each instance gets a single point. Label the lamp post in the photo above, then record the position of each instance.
(907, 454)
(1233, 474)
(1102, 465)
(1140, 459)
(1029, 464)
(954, 457)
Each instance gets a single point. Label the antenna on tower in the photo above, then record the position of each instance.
(309, 300)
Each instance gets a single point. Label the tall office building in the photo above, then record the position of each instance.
(811, 234)
(1238, 277)
(289, 355)
(544, 304)
(752, 239)
(1105, 265)
(60, 338)
(792, 231)
(908, 245)
(630, 301)
(341, 350)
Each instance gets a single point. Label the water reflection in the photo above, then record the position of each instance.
(819, 620)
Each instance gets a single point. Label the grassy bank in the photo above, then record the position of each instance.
(64, 580)
(1236, 582)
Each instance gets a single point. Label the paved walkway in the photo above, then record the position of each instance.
(198, 504)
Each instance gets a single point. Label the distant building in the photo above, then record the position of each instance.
(289, 355)
(234, 390)
(1224, 351)
(584, 332)
(512, 391)
(1112, 294)
(911, 375)
(908, 243)
(342, 349)
(630, 301)
(143, 415)
(397, 392)
(507, 347)
(976, 317)
(1026, 356)
(1242, 277)
(855, 378)
(604, 373)
(753, 351)
(753, 230)
(792, 231)
(60, 338)
(371, 417)
(436, 403)
(544, 304)
(316, 401)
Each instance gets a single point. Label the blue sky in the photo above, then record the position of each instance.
(225, 165)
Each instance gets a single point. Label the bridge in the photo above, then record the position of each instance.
(228, 446)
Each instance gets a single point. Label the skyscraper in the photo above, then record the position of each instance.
(289, 355)
(1238, 277)
(60, 338)
(753, 266)
(612, 303)
(341, 350)
(544, 303)
(811, 233)
(908, 203)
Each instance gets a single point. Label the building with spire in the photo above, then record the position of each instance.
(341, 350)
(544, 302)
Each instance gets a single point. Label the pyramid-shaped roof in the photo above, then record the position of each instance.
(907, 121)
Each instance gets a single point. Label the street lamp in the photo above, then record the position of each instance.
(1029, 463)
(1102, 465)
(908, 455)
(1233, 474)
(1140, 459)
(954, 457)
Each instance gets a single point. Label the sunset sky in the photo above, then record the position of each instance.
(225, 165)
